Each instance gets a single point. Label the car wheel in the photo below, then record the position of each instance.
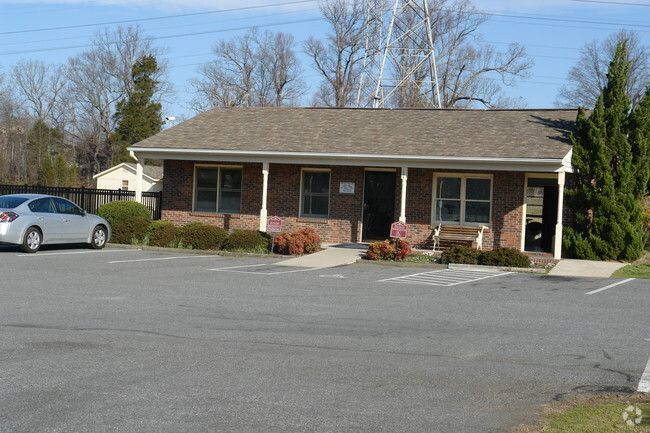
(98, 239)
(32, 240)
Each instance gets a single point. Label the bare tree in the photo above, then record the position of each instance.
(588, 77)
(98, 79)
(250, 70)
(338, 59)
(469, 71)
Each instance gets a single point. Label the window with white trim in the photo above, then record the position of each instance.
(463, 200)
(218, 189)
(315, 194)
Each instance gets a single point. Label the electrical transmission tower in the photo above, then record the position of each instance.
(399, 70)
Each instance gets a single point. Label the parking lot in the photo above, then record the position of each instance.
(147, 341)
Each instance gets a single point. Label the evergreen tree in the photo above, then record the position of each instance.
(46, 173)
(610, 156)
(42, 143)
(137, 116)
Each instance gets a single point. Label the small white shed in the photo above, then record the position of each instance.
(123, 176)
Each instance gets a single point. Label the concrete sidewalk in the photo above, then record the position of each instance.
(345, 254)
(330, 256)
(585, 268)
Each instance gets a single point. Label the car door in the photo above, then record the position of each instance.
(47, 218)
(76, 227)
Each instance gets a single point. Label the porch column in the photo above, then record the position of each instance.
(265, 187)
(402, 207)
(557, 247)
(138, 180)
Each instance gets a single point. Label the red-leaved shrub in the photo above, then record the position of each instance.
(303, 241)
(385, 250)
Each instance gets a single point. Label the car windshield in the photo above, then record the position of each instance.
(11, 202)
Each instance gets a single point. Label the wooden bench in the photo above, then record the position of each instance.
(458, 233)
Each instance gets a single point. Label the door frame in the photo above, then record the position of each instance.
(553, 176)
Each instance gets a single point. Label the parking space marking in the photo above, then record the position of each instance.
(240, 270)
(618, 283)
(159, 258)
(444, 277)
(64, 253)
(644, 383)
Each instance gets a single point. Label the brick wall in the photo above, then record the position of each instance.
(344, 222)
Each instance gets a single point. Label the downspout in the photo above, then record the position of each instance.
(265, 187)
(402, 207)
(557, 247)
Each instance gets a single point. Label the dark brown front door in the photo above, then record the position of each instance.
(378, 204)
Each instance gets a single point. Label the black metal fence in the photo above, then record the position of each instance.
(89, 199)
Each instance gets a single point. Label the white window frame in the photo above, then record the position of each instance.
(329, 192)
(463, 189)
(219, 168)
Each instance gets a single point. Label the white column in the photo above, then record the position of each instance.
(557, 247)
(138, 180)
(265, 187)
(402, 207)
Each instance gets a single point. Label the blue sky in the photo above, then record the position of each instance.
(553, 32)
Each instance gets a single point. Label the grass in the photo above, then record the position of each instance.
(602, 414)
(641, 270)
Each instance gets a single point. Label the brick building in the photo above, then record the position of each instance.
(350, 173)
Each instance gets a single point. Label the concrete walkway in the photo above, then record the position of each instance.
(585, 268)
(345, 254)
(330, 256)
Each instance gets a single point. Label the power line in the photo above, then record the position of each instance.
(76, 26)
(611, 3)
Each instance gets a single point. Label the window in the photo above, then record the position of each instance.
(218, 189)
(315, 194)
(43, 205)
(125, 185)
(64, 206)
(462, 199)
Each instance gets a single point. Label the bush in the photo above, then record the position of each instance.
(498, 257)
(118, 211)
(131, 230)
(385, 250)
(163, 234)
(303, 241)
(504, 257)
(246, 240)
(201, 236)
(464, 255)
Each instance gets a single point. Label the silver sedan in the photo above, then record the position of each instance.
(32, 220)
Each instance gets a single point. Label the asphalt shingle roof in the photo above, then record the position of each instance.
(411, 132)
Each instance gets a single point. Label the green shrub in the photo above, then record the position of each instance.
(303, 241)
(464, 255)
(131, 230)
(504, 257)
(201, 236)
(117, 211)
(385, 250)
(163, 234)
(246, 240)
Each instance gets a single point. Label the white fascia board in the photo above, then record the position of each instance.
(550, 165)
(111, 169)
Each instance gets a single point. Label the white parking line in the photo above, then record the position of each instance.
(644, 383)
(618, 283)
(64, 253)
(238, 270)
(445, 277)
(158, 258)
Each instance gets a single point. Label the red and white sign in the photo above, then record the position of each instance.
(399, 230)
(274, 225)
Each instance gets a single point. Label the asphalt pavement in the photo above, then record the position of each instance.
(149, 341)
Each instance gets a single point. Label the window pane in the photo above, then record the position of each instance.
(206, 200)
(477, 212)
(206, 178)
(230, 201)
(230, 179)
(316, 182)
(448, 187)
(447, 210)
(477, 189)
(64, 206)
(315, 205)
